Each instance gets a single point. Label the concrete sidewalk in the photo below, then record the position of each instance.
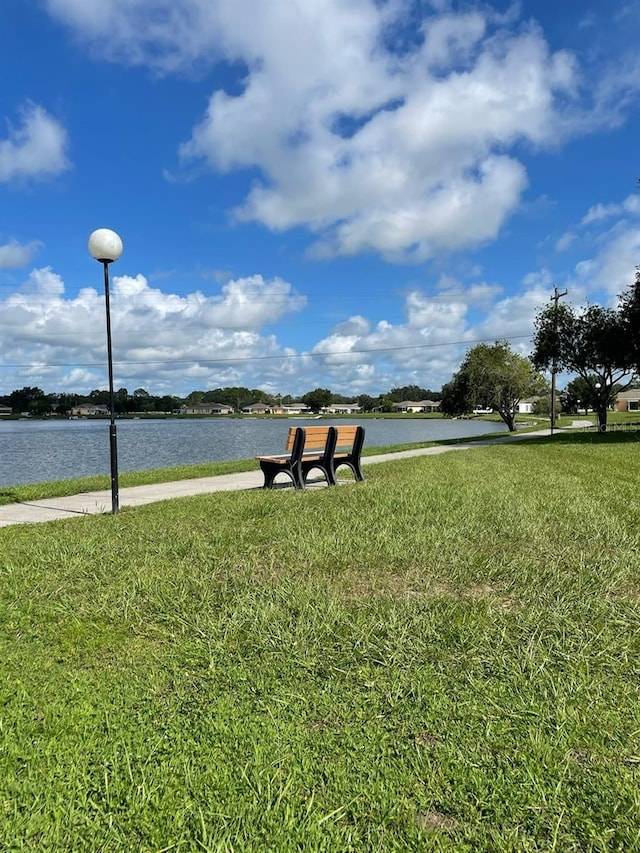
(93, 503)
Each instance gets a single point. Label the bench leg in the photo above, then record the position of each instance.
(357, 470)
(272, 469)
(325, 470)
(354, 464)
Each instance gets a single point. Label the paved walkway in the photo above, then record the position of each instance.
(90, 503)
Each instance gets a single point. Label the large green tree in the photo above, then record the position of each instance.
(412, 392)
(630, 312)
(591, 342)
(28, 399)
(318, 399)
(580, 394)
(492, 376)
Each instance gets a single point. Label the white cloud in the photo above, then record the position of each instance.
(565, 241)
(171, 338)
(375, 151)
(170, 343)
(14, 254)
(599, 212)
(425, 350)
(34, 150)
(612, 233)
(166, 35)
(512, 317)
(612, 268)
(631, 205)
(372, 143)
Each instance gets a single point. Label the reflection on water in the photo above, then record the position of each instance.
(33, 451)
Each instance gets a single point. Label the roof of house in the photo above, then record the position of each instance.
(422, 404)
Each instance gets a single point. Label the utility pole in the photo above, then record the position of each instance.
(556, 298)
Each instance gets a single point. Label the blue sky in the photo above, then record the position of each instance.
(335, 193)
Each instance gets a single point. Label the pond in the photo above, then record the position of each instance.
(33, 451)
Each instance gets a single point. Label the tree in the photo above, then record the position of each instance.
(28, 399)
(318, 399)
(99, 397)
(592, 342)
(492, 377)
(411, 392)
(366, 402)
(121, 401)
(630, 312)
(580, 394)
(456, 395)
(65, 402)
(168, 403)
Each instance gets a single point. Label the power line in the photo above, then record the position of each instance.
(284, 356)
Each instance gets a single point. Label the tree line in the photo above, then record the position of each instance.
(34, 401)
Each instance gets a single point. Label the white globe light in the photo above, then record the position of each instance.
(105, 245)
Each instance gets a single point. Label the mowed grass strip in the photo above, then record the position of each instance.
(444, 657)
(102, 482)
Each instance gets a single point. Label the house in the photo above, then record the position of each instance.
(529, 405)
(526, 407)
(256, 409)
(628, 401)
(295, 409)
(406, 406)
(206, 409)
(5, 410)
(88, 410)
(341, 409)
(423, 406)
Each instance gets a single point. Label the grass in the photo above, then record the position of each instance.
(78, 485)
(62, 488)
(444, 658)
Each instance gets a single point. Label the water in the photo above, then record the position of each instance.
(34, 451)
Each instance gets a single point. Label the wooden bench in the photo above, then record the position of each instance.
(315, 447)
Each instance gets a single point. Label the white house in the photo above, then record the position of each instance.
(206, 409)
(295, 409)
(256, 409)
(341, 409)
(525, 407)
(86, 410)
(423, 406)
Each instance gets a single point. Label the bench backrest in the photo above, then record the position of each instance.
(316, 437)
(295, 441)
(347, 436)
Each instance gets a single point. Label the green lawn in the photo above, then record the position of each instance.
(445, 657)
(102, 482)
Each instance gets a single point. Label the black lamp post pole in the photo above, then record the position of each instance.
(113, 442)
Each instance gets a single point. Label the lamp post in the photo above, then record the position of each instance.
(106, 247)
(599, 407)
